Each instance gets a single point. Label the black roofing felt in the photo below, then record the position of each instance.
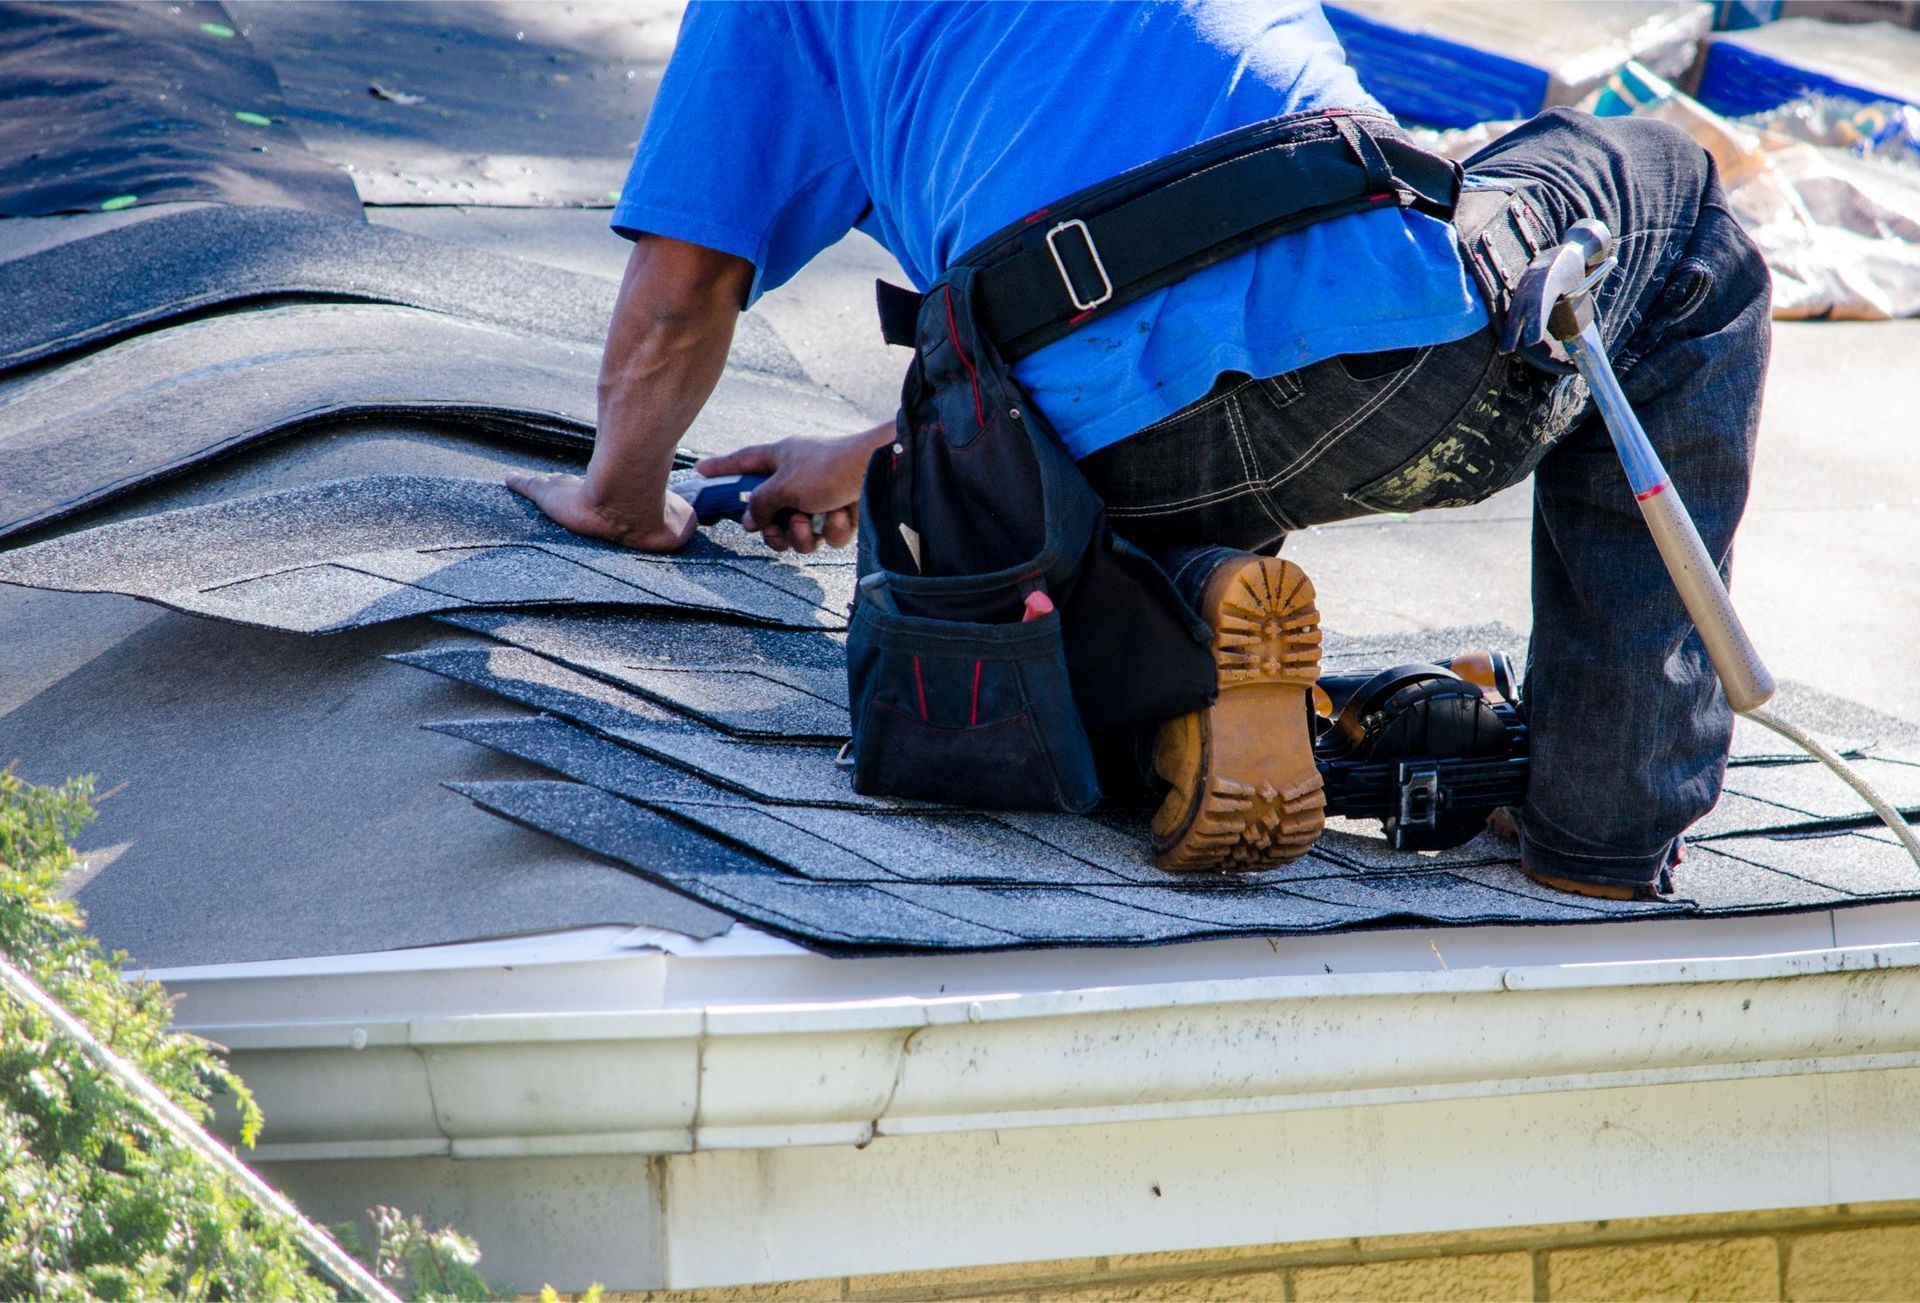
(166, 401)
(89, 291)
(112, 104)
(274, 797)
(356, 552)
(809, 858)
(518, 103)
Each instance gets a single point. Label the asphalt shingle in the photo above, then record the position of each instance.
(1055, 879)
(1819, 795)
(1040, 879)
(744, 680)
(86, 292)
(541, 684)
(172, 399)
(317, 559)
(823, 914)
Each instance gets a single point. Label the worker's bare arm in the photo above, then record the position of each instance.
(665, 351)
(808, 477)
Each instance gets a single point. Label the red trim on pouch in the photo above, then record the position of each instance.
(953, 333)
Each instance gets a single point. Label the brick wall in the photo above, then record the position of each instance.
(1858, 1252)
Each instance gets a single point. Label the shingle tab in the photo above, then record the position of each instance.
(308, 560)
(1819, 794)
(819, 913)
(1040, 879)
(744, 680)
(541, 684)
(811, 841)
(1757, 881)
(1866, 862)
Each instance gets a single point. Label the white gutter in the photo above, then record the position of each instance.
(677, 1080)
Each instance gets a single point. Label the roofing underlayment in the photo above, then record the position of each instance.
(116, 104)
(297, 423)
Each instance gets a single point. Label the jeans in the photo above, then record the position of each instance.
(1630, 730)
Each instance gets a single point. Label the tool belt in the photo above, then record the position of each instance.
(1003, 638)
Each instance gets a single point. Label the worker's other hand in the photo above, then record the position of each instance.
(806, 476)
(660, 522)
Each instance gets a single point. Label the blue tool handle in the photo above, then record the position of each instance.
(725, 497)
(721, 497)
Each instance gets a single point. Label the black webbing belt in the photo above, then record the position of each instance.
(1081, 258)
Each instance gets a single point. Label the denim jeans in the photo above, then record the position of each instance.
(1629, 728)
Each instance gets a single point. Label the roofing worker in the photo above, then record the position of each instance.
(1289, 318)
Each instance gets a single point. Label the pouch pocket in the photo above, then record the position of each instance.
(970, 714)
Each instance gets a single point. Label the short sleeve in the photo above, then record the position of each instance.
(746, 147)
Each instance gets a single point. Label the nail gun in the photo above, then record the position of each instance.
(1430, 750)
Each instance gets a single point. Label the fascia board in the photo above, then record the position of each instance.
(809, 1074)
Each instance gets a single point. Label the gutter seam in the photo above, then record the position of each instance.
(433, 1100)
(698, 1120)
(900, 1054)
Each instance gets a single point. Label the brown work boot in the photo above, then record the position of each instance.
(1246, 793)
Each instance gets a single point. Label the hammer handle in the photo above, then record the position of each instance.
(1742, 673)
(1697, 579)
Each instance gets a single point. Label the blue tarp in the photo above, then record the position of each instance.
(1751, 72)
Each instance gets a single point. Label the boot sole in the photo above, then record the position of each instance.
(1247, 794)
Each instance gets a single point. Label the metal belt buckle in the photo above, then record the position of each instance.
(1106, 281)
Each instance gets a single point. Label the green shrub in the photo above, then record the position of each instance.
(96, 1200)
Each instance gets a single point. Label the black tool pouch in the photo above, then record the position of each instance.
(1002, 633)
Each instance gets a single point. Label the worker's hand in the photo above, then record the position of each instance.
(656, 522)
(807, 476)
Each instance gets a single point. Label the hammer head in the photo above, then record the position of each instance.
(1551, 303)
(1595, 242)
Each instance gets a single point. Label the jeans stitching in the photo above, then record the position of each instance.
(1326, 441)
(1285, 389)
(1212, 498)
(1205, 404)
(1180, 574)
(1494, 394)
(1236, 422)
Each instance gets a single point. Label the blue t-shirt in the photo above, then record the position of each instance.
(780, 126)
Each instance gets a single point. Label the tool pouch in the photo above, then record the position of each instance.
(1001, 634)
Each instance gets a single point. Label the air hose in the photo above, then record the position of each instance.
(1813, 747)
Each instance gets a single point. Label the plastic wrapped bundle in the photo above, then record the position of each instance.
(1454, 63)
(1752, 72)
(1884, 130)
(1841, 233)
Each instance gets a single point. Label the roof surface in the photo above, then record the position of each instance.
(285, 795)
